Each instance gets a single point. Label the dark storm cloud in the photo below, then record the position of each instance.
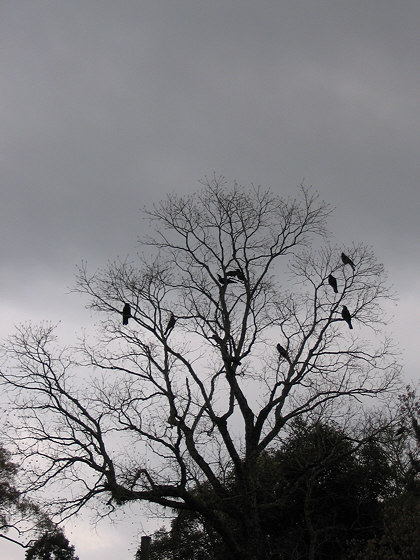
(107, 106)
(111, 105)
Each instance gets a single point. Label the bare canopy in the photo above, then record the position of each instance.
(210, 398)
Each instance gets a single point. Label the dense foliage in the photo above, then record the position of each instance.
(51, 546)
(322, 496)
(19, 516)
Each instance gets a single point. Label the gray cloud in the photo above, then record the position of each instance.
(108, 106)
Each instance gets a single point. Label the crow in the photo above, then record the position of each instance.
(126, 313)
(332, 281)
(231, 360)
(345, 313)
(283, 352)
(225, 281)
(347, 260)
(238, 273)
(227, 359)
(216, 338)
(235, 361)
(171, 323)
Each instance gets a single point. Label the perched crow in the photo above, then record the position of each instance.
(225, 281)
(238, 273)
(126, 313)
(216, 338)
(231, 360)
(332, 281)
(283, 352)
(347, 260)
(235, 361)
(346, 316)
(226, 358)
(171, 323)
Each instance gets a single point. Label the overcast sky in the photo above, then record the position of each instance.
(107, 106)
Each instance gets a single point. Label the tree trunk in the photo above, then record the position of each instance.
(255, 542)
(254, 539)
(145, 548)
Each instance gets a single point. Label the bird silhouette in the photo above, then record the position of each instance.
(345, 313)
(126, 313)
(226, 357)
(332, 281)
(237, 273)
(224, 281)
(283, 352)
(171, 323)
(347, 260)
(235, 361)
(216, 338)
(240, 275)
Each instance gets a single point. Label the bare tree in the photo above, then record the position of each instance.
(194, 384)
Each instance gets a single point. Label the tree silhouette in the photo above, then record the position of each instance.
(51, 546)
(214, 396)
(20, 518)
(320, 490)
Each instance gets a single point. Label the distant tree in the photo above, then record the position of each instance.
(399, 534)
(320, 490)
(212, 394)
(20, 518)
(410, 428)
(332, 490)
(30, 526)
(51, 546)
(187, 540)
